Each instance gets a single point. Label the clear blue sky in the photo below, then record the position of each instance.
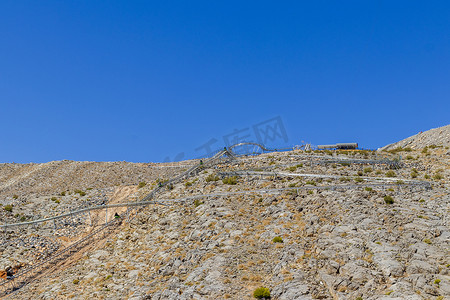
(144, 80)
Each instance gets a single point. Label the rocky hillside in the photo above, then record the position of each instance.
(433, 137)
(340, 225)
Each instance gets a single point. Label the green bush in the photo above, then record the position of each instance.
(390, 174)
(368, 170)
(388, 199)
(426, 176)
(8, 207)
(311, 183)
(53, 198)
(277, 239)
(75, 281)
(15, 196)
(369, 189)
(212, 177)
(230, 180)
(261, 293)
(62, 194)
(413, 175)
(428, 241)
(80, 192)
(357, 179)
(292, 169)
(438, 176)
(378, 172)
(197, 203)
(299, 166)
(142, 184)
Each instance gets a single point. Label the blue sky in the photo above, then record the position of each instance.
(147, 81)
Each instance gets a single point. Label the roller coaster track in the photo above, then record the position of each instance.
(28, 274)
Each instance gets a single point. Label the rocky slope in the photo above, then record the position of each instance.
(331, 235)
(433, 137)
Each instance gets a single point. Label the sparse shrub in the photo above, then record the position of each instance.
(400, 182)
(299, 166)
(426, 176)
(277, 239)
(292, 184)
(230, 180)
(62, 194)
(53, 198)
(80, 192)
(413, 175)
(438, 176)
(359, 298)
(369, 189)
(142, 184)
(360, 173)
(357, 179)
(75, 281)
(378, 172)
(57, 201)
(333, 166)
(197, 203)
(311, 183)
(344, 179)
(390, 189)
(261, 293)
(388, 199)
(15, 196)
(23, 218)
(8, 207)
(421, 200)
(390, 174)
(368, 170)
(310, 192)
(211, 177)
(187, 184)
(292, 169)
(170, 186)
(425, 150)
(427, 241)
(409, 157)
